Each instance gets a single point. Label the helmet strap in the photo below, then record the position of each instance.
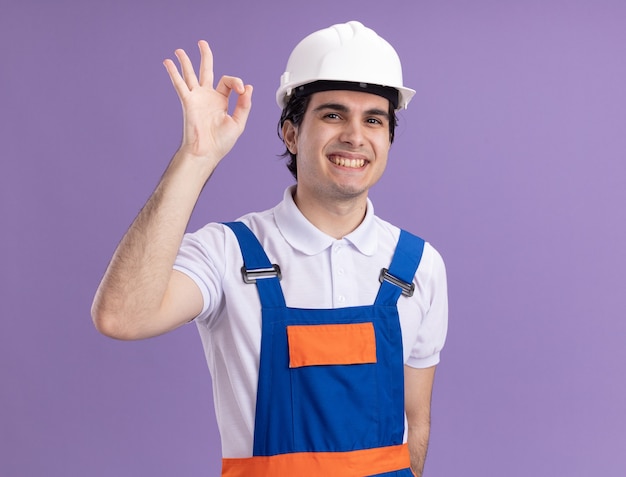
(386, 92)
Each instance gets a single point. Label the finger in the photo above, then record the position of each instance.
(228, 84)
(243, 106)
(177, 80)
(206, 64)
(187, 68)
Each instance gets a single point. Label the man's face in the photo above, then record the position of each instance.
(342, 144)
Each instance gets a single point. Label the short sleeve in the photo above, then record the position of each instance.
(201, 258)
(431, 335)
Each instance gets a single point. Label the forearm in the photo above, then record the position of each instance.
(418, 446)
(136, 280)
(418, 387)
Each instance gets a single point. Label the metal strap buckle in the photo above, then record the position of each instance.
(407, 288)
(251, 276)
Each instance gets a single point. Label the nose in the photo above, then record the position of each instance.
(353, 133)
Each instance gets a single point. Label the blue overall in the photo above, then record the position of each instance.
(321, 409)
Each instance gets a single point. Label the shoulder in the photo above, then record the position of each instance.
(388, 235)
(215, 233)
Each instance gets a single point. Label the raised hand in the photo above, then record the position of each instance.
(140, 295)
(208, 130)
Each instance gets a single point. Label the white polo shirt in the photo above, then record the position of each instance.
(318, 271)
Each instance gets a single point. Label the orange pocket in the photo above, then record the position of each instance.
(311, 345)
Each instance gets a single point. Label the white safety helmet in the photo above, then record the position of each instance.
(349, 56)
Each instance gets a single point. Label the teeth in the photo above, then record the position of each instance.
(352, 163)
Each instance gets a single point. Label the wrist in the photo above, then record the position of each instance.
(198, 167)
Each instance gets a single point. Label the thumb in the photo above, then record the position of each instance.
(243, 106)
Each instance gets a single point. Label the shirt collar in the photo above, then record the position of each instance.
(308, 239)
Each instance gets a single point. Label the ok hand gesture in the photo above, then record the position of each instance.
(209, 132)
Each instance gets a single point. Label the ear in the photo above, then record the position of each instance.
(290, 136)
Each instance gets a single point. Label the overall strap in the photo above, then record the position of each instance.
(257, 268)
(398, 279)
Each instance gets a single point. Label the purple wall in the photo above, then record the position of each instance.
(511, 161)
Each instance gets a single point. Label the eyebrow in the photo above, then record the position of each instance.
(344, 109)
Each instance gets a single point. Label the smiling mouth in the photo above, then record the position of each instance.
(344, 162)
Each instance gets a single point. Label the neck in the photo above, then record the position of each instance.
(336, 219)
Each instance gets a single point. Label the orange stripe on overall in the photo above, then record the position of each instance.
(357, 463)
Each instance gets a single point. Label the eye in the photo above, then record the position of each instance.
(375, 121)
(332, 116)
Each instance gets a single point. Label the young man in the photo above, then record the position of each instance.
(321, 323)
